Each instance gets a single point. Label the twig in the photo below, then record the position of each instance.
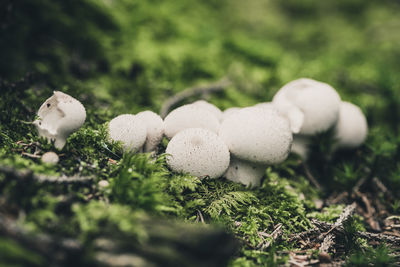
(29, 175)
(189, 92)
(277, 233)
(382, 187)
(311, 177)
(328, 237)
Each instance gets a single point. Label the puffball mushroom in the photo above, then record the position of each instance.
(310, 106)
(59, 116)
(247, 173)
(129, 130)
(300, 146)
(198, 152)
(351, 128)
(155, 129)
(257, 135)
(210, 107)
(190, 116)
(229, 111)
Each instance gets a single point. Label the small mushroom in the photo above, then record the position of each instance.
(155, 129)
(129, 130)
(190, 116)
(351, 129)
(310, 106)
(198, 152)
(301, 146)
(257, 135)
(59, 116)
(210, 107)
(50, 157)
(247, 173)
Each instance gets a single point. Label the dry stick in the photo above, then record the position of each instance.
(328, 236)
(278, 232)
(382, 187)
(198, 90)
(389, 239)
(311, 177)
(29, 175)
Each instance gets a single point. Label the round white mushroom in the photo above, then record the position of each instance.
(155, 129)
(257, 135)
(50, 157)
(229, 111)
(351, 129)
(210, 107)
(198, 152)
(128, 130)
(244, 172)
(59, 116)
(190, 116)
(310, 106)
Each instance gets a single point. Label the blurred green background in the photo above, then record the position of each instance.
(132, 54)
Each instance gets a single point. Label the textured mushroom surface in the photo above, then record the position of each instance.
(198, 152)
(155, 129)
(257, 135)
(310, 106)
(244, 172)
(129, 130)
(190, 116)
(228, 112)
(351, 129)
(210, 107)
(59, 116)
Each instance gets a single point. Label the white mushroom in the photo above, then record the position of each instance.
(257, 135)
(190, 116)
(229, 111)
(155, 129)
(351, 128)
(198, 152)
(59, 116)
(129, 130)
(50, 157)
(301, 146)
(310, 106)
(244, 172)
(269, 105)
(210, 107)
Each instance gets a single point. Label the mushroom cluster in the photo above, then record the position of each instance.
(238, 143)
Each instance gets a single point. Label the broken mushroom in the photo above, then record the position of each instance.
(59, 116)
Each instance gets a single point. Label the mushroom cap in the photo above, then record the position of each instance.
(269, 105)
(210, 107)
(300, 146)
(257, 135)
(198, 152)
(129, 130)
(50, 157)
(59, 116)
(351, 129)
(244, 172)
(228, 112)
(310, 106)
(190, 116)
(155, 129)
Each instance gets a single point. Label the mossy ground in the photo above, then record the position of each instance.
(127, 56)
